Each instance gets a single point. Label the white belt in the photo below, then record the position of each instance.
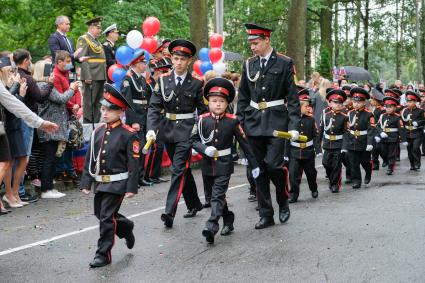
(173, 116)
(410, 128)
(358, 133)
(111, 178)
(142, 102)
(302, 144)
(266, 104)
(333, 137)
(223, 152)
(390, 130)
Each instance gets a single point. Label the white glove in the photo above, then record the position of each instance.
(369, 147)
(383, 135)
(294, 135)
(194, 152)
(255, 172)
(377, 139)
(415, 124)
(286, 158)
(210, 151)
(405, 143)
(343, 150)
(150, 134)
(319, 154)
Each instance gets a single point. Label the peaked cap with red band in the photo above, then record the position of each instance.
(359, 94)
(220, 87)
(411, 95)
(389, 100)
(255, 31)
(303, 94)
(182, 47)
(138, 56)
(113, 99)
(335, 94)
(393, 92)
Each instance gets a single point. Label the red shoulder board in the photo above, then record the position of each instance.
(165, 74)
(128, 128)
(205, 115)
(230, 116)
(196, 76)
(282, 55)
(343, 113)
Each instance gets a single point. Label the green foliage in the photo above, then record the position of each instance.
(325, 64)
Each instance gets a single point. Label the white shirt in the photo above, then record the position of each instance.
(181, 76)
(267, 57)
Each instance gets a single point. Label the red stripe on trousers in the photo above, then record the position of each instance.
(179, 193)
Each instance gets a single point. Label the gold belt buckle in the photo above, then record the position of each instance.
(332, 137)
(357, 133)
(106, 179)
(173, 117)
(303, 144)
(387, 130)
(262, 105)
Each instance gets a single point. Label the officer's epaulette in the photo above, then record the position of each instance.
(283, 55)
(196, 76)
(207, 114)
(252, 58)
(128, 128)
(165, 74)
(230, 116)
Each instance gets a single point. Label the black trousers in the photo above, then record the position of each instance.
(153, 166)
(376, 152)
(48, 168)
(269, 153)
(218, 186)
(182, 181)
(389, 150)
(346, 163)
(357, 158)
(296, 168)
(332, 162)
(251, 181)
(142, 138)
(414, 151)
(207, 187)
(111, 223)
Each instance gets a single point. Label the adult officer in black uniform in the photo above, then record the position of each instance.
(413, 120)
(111, 172)
(112, 35)
(360, 135)
(179, 93)
(137, 91)
(268, 101)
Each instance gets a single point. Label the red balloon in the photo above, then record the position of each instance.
(215, 54)
(112, 68)
(149, 44)
(197, 67)
(151, 26)
(216, 40)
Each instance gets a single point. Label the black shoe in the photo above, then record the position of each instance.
(284, 214)
(168, 220)
(348, 181)
(367, 180)
(356, 186)
(412, 168)
(252, 198)
(389, 172)
(206, 205)
(28, 198)
(264, 222)
(158, 180)
(209, 235)
(227, 229)
(334, 189)
(397, 158)
(257, 208)
(315, 194)
(192, 212)
(385, 164)
(98, 262)
(293, 198)
(144, 183)
(129, 240)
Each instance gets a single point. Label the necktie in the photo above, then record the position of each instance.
(263, 63)
(179, 83)
(68, 44)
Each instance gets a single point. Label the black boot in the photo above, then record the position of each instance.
(264, 222)
(284, 212)
(315, 194)
(293, 199)
(99, 262)
(168, 220)
(209, 235)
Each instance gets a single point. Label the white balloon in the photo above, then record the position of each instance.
(219, 67)
(134, 39)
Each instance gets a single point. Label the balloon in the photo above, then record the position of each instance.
(204, 54)
(197, 67)
(117, 85)
(205, 67)
(124, 55)
(118, 75)
(147, 55)
(134, 39)
(219, 67)
(111, 69)
(216, 40)
(149, 44)
(151, 26)
(215, 54)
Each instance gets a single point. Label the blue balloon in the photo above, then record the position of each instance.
(204, 54)
(205, 67)
(118, 75)
(147, 55)
(124, 54)
(117, 85)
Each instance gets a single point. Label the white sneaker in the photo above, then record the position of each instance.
(59, 193)
(50, 194)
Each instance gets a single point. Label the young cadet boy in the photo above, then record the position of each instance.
(213, 136)
(332, 130)
(360, 134)
(413, 120)
(111, 171)
(390, 129)
(376, 106)
(302, 154)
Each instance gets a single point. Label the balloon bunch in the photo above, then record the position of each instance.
(211, 59)
(135, 41)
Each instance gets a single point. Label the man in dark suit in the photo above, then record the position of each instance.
(58, 40)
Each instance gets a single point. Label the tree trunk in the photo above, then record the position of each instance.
(357, 34)
(198, 23)
(423, 38)
(336, 36)
(295, 46)
(325, 22)
(366, 36)
(347, 29)
(308, 49)
(397, 44)
(418, 44)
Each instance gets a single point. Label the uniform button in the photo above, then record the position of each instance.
(104, 171)
(216, 130)
(105, 142)
(263, 88)
(177, 107)
(262, 76)
(216, 140)
(177, 122)
(103, 151)
(264, 99)
(177, 99)
(108, 133)
(302, 125)
(103, 161)
(262, 111)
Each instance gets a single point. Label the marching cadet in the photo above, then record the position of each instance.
(348, 106)
(213, 137)
(332, 130)
(302, 154)
(360, 136)
(93, 70)
(112, 35)
(179, 93)
(377, 109)
(267, 102)
(138, 92)
(390, 130)
(413, 120)
(111, 173)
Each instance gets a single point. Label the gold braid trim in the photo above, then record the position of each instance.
(93, 47)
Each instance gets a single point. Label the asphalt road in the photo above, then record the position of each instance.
(375, 234)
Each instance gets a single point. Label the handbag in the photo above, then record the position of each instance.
(76, 137)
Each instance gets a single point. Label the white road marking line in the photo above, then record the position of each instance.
(43, 242)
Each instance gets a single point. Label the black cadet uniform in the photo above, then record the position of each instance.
(268, 101)
(377, 111)
(360, 135)
(138, 93)
(111, 171)
(180, 100)
(109, 48)
(413, 120)
(348, 106)
(217, 132)
(390, 130)
(332, 131)
(302, 154)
